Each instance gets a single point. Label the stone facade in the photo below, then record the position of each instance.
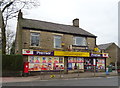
(47, 41)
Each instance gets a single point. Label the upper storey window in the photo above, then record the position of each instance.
(35, 38)
(80, 41)
(57, 41)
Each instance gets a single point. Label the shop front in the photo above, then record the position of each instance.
(43, 61)
(96, 62)
(65, 60)
(74, 60)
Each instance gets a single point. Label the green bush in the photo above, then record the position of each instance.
(12, 62)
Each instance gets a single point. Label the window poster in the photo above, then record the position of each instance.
(41, 63)
(44, 60)
(31, 59)
(50, 60)
(58, 66)
(80, 65)
(36, 59)
(70, 60)
(74, 66)
(56, 60)
(101, 63)
(74, 60)
(34, 67)
(69, 65)
(50, 66)
(44, 66)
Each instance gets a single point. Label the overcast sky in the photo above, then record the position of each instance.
(99, 17)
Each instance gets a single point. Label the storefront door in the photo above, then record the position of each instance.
(88, 64)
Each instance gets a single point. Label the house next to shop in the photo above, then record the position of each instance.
(113, 51)
(67, 46)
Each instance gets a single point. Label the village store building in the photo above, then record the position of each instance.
(53, 46)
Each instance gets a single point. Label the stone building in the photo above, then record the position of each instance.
(113, 51)
(52, 46)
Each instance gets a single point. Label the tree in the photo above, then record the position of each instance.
(10, 9)
(10, 35)
(12, 50)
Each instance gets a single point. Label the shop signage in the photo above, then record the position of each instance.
(43, 53)
(67, 53)
(33, 52)
(96, 55)
(104, 54)
(27, 52)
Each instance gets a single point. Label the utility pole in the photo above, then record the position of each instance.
(116, 60)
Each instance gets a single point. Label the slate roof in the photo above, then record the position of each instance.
(104, 46)
(54, 27)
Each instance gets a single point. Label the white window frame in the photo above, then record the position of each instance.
(75, 42)
(31, 38)
(57, 36)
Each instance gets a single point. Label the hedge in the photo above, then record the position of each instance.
(12, 62)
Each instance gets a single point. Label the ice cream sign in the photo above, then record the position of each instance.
(27, 52)
(105, 55)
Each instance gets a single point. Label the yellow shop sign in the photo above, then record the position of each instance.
(67, 53)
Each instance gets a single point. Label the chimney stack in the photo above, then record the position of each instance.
(76, 22)
(20, 14)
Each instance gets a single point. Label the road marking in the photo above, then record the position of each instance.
(86, 78)
(44, 80)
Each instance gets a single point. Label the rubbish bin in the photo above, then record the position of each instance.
(109, 69)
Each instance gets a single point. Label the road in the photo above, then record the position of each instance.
(98, 81)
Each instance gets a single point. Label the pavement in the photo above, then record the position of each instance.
(57, 76)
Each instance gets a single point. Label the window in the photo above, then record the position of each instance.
(35, 39)
(80, 41)
(57, 41)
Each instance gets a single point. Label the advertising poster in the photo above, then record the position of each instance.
(80, 65)
(69, 65)
(50, 66)
(74, 60)
(70, 60)
(40, 63)
(44, 66)
(56, 60)
(101, 64)
(37, 59)
(61, 66)
(43, 59)
(31, 59)
(50, 60)
(74, 65)
(34, 67)
(58, 66)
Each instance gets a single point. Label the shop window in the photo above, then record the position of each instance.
(80, 41)
(57, 41)
(35, 37)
